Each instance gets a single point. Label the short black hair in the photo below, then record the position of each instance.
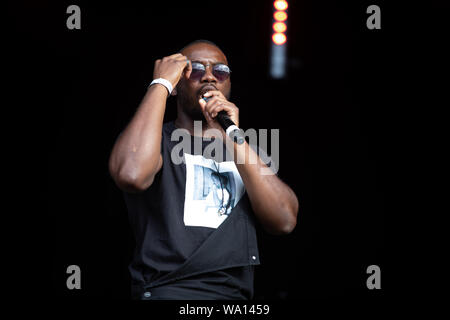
(201, 41)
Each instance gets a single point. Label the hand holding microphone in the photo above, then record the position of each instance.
(216, 107)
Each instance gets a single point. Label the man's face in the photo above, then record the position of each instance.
(189, 91)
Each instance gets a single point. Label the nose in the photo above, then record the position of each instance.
(208, 76)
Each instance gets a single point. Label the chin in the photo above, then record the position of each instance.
(197, 115)
(200, 117)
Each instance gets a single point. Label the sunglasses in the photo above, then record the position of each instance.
(220, 71)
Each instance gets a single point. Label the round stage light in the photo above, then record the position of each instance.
(280, 5)
(279, 38)
(279, 27)
(280, 16)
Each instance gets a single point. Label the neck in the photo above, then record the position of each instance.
(184, 121)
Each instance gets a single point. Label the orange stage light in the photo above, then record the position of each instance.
(279, 27)
(280, 16)
(280, 5)
(279, 38)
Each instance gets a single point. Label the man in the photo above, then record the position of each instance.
(184, 248)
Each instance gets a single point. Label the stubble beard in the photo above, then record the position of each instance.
(190, 106)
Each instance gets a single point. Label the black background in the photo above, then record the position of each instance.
(79, 88)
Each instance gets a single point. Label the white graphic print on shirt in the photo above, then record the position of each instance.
(212, 190)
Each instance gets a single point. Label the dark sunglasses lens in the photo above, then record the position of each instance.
(221, 75)
(221, 72)
(196, 74)
(198, 70)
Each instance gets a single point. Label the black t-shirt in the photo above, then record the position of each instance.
(194, 226)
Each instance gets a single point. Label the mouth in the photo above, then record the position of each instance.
(205, 89)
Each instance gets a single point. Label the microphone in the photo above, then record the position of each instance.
(229, 126)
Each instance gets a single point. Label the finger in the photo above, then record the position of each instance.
(175, 55)
(183, 62)
(215, 111)
(205, 113)
(203, 105)
(220, 107)
(211, 104)
(229, 109)
(214, 101)
(180, 57)
(212, 97)
(188, 69)
(208, 117)
(186, 63)
(214, 93)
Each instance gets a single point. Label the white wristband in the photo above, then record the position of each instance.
(164, 82)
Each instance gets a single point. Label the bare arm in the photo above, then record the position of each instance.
(274, 202)
(136, 156)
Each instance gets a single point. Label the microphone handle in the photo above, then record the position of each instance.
(224, 120)
(234, 133)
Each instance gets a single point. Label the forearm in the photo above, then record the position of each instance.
(273, 202)
(136, 154)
